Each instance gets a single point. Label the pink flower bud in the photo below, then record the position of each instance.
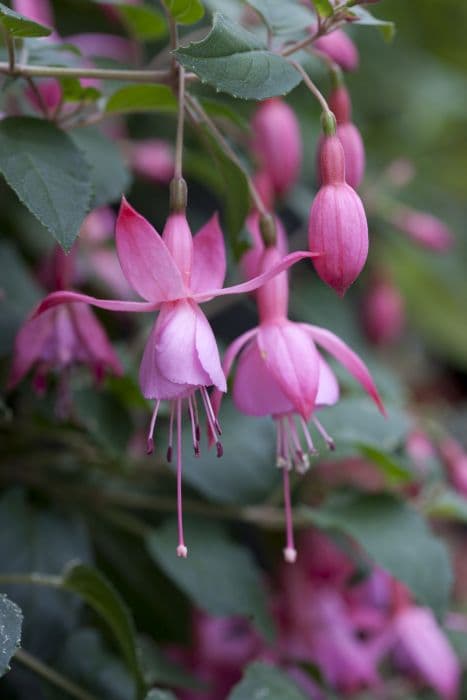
(277, 143)
(425, 229)
(337, 227)
(383, 313)
(340, 48)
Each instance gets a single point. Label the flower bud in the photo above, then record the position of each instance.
(277, 143)
(383, 312)
(340, 48)
(425, 229)
(337, 227)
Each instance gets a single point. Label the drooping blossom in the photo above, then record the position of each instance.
(281, 373)
(425, 229)
(383, 311)
(349, 136)
(174, 273)
(277, 143)
(337, 226)
(339, 48)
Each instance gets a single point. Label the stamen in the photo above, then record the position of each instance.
(196, 414)
(209, 409)
(290, 553)
(281, 461)
(150, 441)
(326, 437)
(193, 427)
(311, 448)
(171, 431)
(302, 462)
(211, 422)
(182, 551)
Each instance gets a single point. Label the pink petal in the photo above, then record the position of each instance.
(153, 384)
(256, 282)
(348, 358)
(293, 361)
(28, 346)
(145, 259)
(208, 352)
(37, 10)
(255, 389)
(94, 338)
(209, 263)
(328, 388)
(106, 45)
(67, 297)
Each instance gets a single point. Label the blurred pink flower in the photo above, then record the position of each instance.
(425, 229)
(455, 459)
(340, 48)
(383, 312)
(152, 159)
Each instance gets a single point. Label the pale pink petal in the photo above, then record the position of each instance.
(229, 358)
(145, 259)
(348, 358)
(37, 10)
(106, 45)
(293, 360)
(256, 282)
(177, 355)
(255, 389)
(94, 338)
(209, 263)
(153, 384)
(28, 346)
(328, 388)
(67, 297)
(208, 352)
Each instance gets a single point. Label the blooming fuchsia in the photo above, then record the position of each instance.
(174, 273)
(280, 373)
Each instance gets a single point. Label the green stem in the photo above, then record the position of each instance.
(134, 76)
(52, 676)
(34, 579)
(311, 86)
(10, 47)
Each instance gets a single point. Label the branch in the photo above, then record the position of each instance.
(135, 76)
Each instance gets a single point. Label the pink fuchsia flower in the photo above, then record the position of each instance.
(383, 312)
(339, 48)
(277, 143)
(337, 226)
(174, 273)
(152, 159)
(423, 228)
(280, 373)
(349, 136)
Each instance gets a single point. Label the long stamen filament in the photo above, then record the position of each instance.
(324, 434)
(171, 431)
(290, 553)
(150, 441)
(182, 550)
(193, 427)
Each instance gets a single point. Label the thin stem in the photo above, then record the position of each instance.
(38, 95)
(52, 676)
(180, 124)
(223, 143)
(10, 47)
(34, 579)
(311, 86)
(135, 76)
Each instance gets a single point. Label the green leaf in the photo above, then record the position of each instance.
(159, 670)
(105, 417)
(323, 7)
(362, 16)
(73, 91)
(144, 22)
(395, 471)
(219, 575)
(235, 61)
(185, 11)
(142, 98)
(99, 593)
(284, 17)
(397, 538)
(160, 695)
(447, 504)
(220, 110)
(19, 26)
(11, 620)
(48, 173)
(109, 174)
(265, 681)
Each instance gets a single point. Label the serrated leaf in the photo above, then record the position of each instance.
(283, 17)
(11, 620)
(142, 98)
(397, 538)
(219, 575)
(99, 593)
(235, 61)
(185, 11)
(265, 681)
(144, 22)
(48, 173)
(109, 175)
(19, 26)
(362, 16)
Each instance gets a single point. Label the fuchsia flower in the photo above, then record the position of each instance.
(383, 312)
(337, 227)
(174, 273)
(280, 373)
(423, 228)
(349, 136)
(340, 48)
(152, 159)
(277, 143)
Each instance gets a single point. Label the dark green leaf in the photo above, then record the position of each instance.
(105, 417)
(362, 16)
(265, 681)
(48, 173)
(11, 620)
(185, 11)
(109, 174)
(73, 91)
(20, 26)
(159, 670)
(99, 593)
(397, 538)
(142, 98)
(395, 471)
(235, 61)
(219, 575)
(283, 17)
(144, 22)
(323, 7)
(220, 110)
